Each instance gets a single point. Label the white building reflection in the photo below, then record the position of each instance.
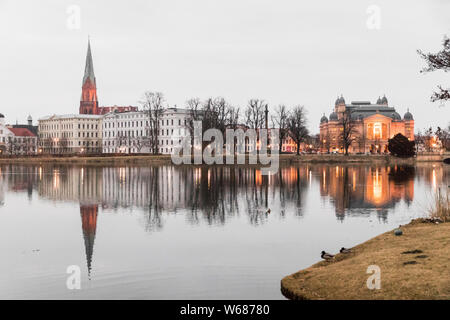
(213, 193)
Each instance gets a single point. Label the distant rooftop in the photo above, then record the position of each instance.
(122, 113)
(71, 116)
(361, 102)
(176, 109)
(22, 132)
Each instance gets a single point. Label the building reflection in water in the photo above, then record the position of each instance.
(20, 179)
(215, 194)
(367, 187)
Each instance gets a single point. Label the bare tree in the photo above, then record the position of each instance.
(153, 104)
(315, 141)
(428, 139)
(13, 145)
(140, 142)
(47, 143)
(233, 117)
(419, 140)
(438, 61)
(214, 113)
(348, 130)
(122, 140)
(63, 142)
(194, 105)
(297, 126)
(281, 121)
(444, 136)
(361, 139)
(254, 113)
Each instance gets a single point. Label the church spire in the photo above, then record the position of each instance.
(89, 67)
(89, 101)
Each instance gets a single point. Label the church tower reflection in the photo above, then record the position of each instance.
(89, 215)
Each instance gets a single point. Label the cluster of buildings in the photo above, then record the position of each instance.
(125, 129)
(18, 138)
(113, 129)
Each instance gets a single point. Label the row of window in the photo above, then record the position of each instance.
(67, 126)
(63, 144)
(142, 133)
(137, 133)
(19, 139)
(135, 150)
(130, 124)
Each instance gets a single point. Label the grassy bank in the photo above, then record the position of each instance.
(166, 159)
(101, 160)
(420, 274)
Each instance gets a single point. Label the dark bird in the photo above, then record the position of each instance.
(268, 210)
(326, 256)
(345, 250)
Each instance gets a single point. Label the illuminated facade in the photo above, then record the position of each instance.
(374, 125)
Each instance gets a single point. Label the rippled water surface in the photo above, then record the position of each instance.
(166, 232)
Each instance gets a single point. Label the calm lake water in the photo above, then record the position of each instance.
(168, 232)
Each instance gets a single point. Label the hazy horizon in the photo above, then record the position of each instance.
(284, 52)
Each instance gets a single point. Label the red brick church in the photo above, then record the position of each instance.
(89, 100)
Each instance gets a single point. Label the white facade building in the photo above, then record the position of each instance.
(125, 132)
(73, 133)
(114, 132)
(128, 132)
(174, 126)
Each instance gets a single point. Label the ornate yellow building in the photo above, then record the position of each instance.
(373, 125)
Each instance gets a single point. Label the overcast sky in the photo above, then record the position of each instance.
(287, 52)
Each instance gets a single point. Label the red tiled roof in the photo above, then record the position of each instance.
(22, 132)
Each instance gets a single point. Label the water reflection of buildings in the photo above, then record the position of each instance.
(210, 192)
(214, 191)
(216, 194)
(434, 175)
(62, 183)
(163, 186)
(366, 187)
(17, 179)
